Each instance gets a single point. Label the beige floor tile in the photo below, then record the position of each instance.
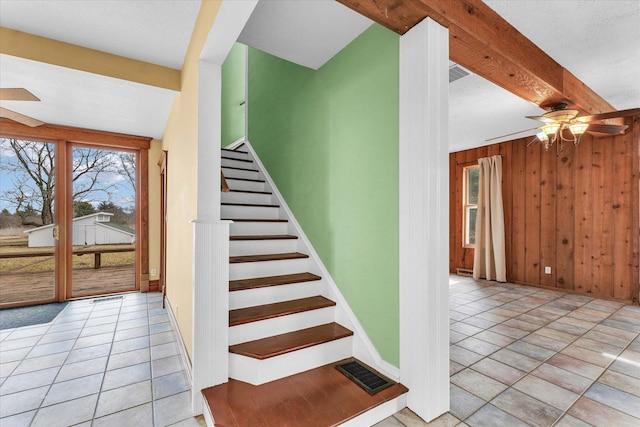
(478, 384)
(597, 414)
(546, 392)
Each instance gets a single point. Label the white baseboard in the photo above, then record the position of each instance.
(182, 349)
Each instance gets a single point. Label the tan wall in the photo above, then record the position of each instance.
(154, 209)
(181, 140)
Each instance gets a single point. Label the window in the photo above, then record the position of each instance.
(470, 205)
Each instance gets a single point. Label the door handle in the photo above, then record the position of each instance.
(56, 232)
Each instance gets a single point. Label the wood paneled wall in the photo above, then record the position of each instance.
(577, 211)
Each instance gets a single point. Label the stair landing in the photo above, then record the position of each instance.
(320, 397)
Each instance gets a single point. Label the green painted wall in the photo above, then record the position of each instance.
(329, 139)
(233, 94)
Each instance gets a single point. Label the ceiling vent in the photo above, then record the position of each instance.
(456, 72)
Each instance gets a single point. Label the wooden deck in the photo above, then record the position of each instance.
(19, 287)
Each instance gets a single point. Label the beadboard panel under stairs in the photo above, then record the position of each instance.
(287, 317)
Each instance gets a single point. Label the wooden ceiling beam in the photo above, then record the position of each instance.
(486, 44)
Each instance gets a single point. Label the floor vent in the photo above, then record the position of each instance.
(97, 300)
(364, 376)
(464, 272)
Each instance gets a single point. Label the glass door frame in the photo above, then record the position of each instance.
(69, 219)
(64, 139)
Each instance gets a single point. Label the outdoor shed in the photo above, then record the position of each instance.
(93, 229)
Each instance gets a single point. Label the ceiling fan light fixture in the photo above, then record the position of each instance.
(578, 128)
(551, 130)
(561, 115)
(544, 139)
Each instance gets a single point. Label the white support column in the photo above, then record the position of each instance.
(211, 247)
(424, 218)
(209, 139)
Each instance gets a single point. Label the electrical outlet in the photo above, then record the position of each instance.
(547, 270)
(154, 271)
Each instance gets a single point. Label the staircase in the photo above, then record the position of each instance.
(282, 317)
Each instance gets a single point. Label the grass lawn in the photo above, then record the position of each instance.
(46, 263)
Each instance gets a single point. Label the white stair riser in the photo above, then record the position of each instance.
(247, 270)
(254, 198)
(262, 247)
(280, 325)
(258, 372)
(258, 228)
(271, 294)
(249, 212)
(235, 154)
(237, 164)
(235, 184)
(235, 173)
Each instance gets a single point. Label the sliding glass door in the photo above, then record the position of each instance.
(28, 229)
(103, 229)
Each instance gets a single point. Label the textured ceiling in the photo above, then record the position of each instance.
(598, 41)
(152, 31)
(79, 99)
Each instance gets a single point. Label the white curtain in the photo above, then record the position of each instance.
(489, 260)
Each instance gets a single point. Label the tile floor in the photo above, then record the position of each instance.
(519, 356)
(111, 363)
(526, 356)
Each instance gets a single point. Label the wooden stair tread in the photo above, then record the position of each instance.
(249, 191)
(263, 237)
(234, 151)
(250, 204)
(254, 220)
(239, 160)
(239, 169)
(267, 257)
(268, 311)
(243, 179)
(318, 397)
(292, 341)
(263, 282)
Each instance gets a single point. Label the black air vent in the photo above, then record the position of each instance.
(456, 72)
(364, 376)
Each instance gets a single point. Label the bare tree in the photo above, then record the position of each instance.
(127, 167)
(89, 164)
(32, 175)
(32, 172)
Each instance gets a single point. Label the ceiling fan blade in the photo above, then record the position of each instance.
(510, 134)
(17, 94)
(609, 115)
(541, 119)
(608, 129)
(20, 118)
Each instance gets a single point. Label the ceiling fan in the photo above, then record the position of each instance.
(18, 94)
(560, 121)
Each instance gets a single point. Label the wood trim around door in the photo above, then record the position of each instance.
(65, 138)
(163, 163)
(142, 220)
